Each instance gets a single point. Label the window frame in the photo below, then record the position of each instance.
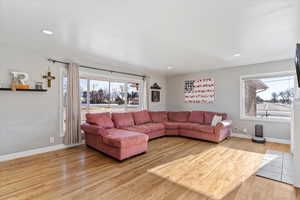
(259, 76)
(102, 77)
(62, 75)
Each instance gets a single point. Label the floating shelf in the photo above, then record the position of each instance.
(24, 90)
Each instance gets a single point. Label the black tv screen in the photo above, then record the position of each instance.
(297, 62)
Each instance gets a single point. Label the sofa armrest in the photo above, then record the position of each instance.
(93, 129)
(223, 129)
(224, 124)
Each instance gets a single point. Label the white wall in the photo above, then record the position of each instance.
(296, 142)
(228, 95)
(29, 119)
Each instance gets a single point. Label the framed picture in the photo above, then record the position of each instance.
(155, 96)
(200, 91)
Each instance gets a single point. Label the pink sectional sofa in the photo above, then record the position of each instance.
(122, 135)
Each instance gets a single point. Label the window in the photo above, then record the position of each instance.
(133, 94)
(101, 94)
(63, 101)
(83, 97)
(117, 93)
(108, 95)
(267, 97)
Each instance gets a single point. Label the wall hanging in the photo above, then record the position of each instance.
(49, 77)
(199, 91)
(155, 86)
(155, 93)
(155, 96)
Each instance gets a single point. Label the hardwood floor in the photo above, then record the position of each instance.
(167, 171)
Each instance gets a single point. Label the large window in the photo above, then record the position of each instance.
(101, 94)
(105, 95)
(267, 97)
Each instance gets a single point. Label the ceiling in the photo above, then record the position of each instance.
(153, 35)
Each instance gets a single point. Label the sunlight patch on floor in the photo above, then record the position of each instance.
(213, 173)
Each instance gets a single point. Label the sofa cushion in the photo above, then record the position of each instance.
(172, 132)
(147, 128)
(208, 116)
(173, 125)
(197, 117)
(159, 117)
(100, 119)
(122, 120)
(203, 128)
(197, 127)
(199, 135)
(187, 125)
(93, 129)
(141, 117)
(122, 138)
(178, 116)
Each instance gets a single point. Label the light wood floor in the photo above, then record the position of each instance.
(83, 173)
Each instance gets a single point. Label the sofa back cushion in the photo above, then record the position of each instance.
(208, 117)
(197, 117)
(123, 120)
(100, 119)
(178, 116)
(159, 117)
(141, 117)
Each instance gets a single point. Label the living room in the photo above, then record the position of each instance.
(149, 100)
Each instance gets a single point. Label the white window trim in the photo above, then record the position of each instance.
(242, 96)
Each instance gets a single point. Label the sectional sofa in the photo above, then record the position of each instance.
(122, 135)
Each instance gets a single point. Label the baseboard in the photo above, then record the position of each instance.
(35, 151)
(268, 139)
(239, 135)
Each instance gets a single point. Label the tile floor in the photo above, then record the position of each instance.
(277, 166)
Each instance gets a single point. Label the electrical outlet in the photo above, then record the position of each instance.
(51, 140)
(236, 130)
(245, 130)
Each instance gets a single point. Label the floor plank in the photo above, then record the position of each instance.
(83, 173)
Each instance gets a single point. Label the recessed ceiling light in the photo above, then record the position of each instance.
(170, 67)
(47, 32)
(237, 55)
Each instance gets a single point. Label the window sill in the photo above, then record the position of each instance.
(280, 120)
(109, 105)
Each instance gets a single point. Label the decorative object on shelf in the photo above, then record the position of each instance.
(155, 86)
(199, 91)
(49, 77)
(155, 96)
(19, 80)
(38, 85)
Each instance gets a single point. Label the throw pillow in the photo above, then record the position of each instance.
(216, 119)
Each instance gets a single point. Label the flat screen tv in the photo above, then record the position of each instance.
(297, 62)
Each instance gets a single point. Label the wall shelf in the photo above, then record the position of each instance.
(24, 90)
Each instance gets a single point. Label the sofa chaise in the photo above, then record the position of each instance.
(122, 135)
